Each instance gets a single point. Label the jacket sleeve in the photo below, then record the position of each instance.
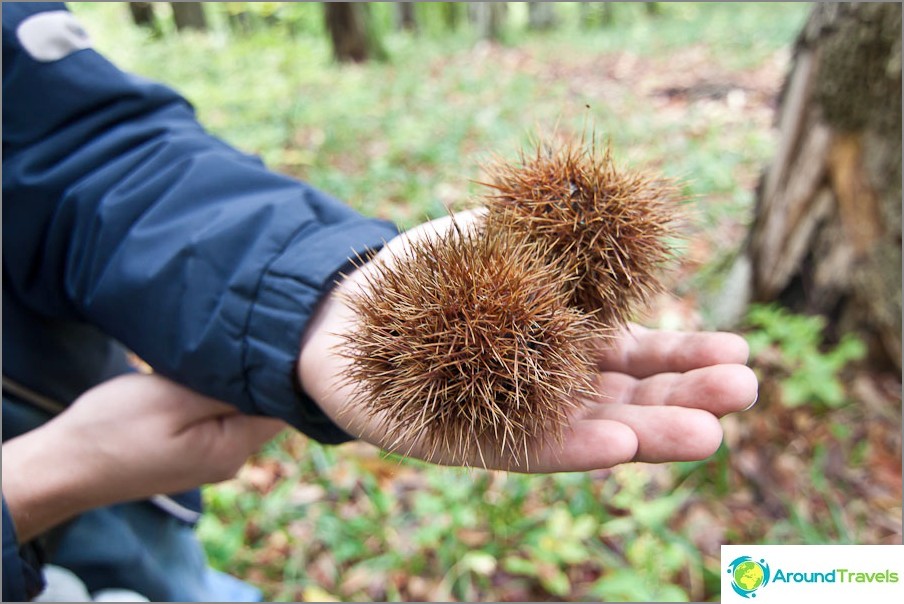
(121, 211)
(22, 579)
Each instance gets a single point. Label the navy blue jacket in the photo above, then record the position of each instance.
(125, 224)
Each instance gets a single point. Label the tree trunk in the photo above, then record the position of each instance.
(826, 238)
(239, 22)
(142, 14)
(607, 14)
(488, 18)
(541, 15)
(407, 20)
(353, 36)
(189, 15)
(596, 14)
(450, 15)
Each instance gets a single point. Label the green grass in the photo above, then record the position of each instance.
(404, 140)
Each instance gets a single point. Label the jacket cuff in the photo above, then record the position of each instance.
(284, 295)
(22, 578)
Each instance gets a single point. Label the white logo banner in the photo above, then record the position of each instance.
(764, 574)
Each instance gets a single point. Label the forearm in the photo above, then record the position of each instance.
(126, 439)
(233, 257)
(46, 481)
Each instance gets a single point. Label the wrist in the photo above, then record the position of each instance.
(313, 368)
(45, 482)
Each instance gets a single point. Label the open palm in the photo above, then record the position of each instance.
(659, 394)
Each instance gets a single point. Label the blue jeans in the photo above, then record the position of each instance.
(140, 547)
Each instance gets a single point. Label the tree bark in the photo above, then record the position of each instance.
(541, 15)
(189, 15)
(451, 15)
(353, 36)
(407, 20)
(826, 237)
(488, 18)
(142, 14)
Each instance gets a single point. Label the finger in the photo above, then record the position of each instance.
(642, 352)
(590, 445)
(668, 433)
(719, 389)
(401, 246)
(439, 226)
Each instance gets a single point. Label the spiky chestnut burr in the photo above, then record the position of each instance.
(466, 345)
(604, 228)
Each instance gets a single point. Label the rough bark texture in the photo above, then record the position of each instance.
(827, 233)
(189, 15)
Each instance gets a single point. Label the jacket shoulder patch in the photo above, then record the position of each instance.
(51, 36)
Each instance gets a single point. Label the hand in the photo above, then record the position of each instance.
(660, 393)
(129, 438)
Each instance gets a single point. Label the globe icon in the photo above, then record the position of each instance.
(748, 575)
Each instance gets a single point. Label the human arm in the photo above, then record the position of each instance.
(126, 439)
(121, 211)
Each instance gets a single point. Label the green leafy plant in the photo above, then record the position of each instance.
(812, 368)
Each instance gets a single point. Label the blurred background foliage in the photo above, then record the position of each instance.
(399, 128)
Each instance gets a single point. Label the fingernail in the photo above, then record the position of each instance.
(755, 399)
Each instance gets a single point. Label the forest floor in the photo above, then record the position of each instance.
(693, 96)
